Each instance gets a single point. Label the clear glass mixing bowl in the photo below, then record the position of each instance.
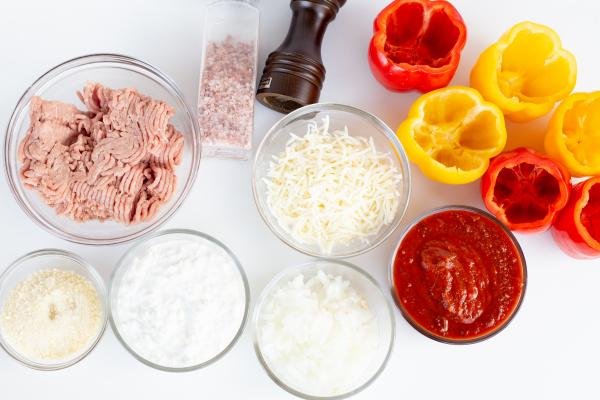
(407, 315)
(125, 263)
(368, 288)
(48, 259)
(359, 123)
(62, 83)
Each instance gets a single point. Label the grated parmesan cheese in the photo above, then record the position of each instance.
(51, 315)
(318, 334)
(330, 189)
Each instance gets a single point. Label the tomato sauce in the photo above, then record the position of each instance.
(458, 275)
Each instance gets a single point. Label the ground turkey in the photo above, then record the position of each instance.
(115, 161)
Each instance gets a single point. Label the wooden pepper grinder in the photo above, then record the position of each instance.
(294, 73)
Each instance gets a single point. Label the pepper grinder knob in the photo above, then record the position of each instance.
(294, 73)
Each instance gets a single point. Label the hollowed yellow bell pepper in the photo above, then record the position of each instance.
(451, 134)
(573, 135)
(525, 72)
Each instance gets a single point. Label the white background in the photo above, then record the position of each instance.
(550, 350)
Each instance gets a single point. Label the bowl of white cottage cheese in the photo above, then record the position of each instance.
(178, 300)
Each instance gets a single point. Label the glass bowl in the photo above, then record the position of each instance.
(359, 123)
(46, 259)
(61, 83)
(433, 335)
(125, 262)
(364, 284)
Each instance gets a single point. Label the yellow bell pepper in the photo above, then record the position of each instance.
(525, 72)
(451, 134)
(573, 135)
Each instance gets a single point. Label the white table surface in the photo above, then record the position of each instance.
(549, 351)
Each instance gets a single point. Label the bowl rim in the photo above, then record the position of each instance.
(395, 147)
(112, 290)
(98, 284)
(409, 318)
(274, 283)
(97, 58)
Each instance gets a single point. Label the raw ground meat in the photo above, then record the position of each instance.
(115, 161)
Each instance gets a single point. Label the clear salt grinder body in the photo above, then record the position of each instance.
(228, 78)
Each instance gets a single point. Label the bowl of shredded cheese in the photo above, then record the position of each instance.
(331, 180)
(323, 330)
(53, 309)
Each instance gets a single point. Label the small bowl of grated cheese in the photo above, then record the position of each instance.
(53, 309)
(331, 180)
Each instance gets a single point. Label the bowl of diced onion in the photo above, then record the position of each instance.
(331, 180)
(323, 329)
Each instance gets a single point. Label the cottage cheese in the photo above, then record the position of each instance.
(180, 302)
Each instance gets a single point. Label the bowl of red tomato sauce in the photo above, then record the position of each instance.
(458, 275)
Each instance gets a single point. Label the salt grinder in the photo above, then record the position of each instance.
(294, 73)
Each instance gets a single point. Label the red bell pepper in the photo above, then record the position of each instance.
(525, 190)
(577, 227)
(417, 44)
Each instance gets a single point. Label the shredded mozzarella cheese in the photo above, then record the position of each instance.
(330, 188)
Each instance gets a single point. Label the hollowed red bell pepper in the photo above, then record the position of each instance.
(416, 44)
(577, 227)
(525, 190)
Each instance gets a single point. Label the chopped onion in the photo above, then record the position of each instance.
(318, 335)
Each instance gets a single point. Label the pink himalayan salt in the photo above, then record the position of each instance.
(226, 98)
